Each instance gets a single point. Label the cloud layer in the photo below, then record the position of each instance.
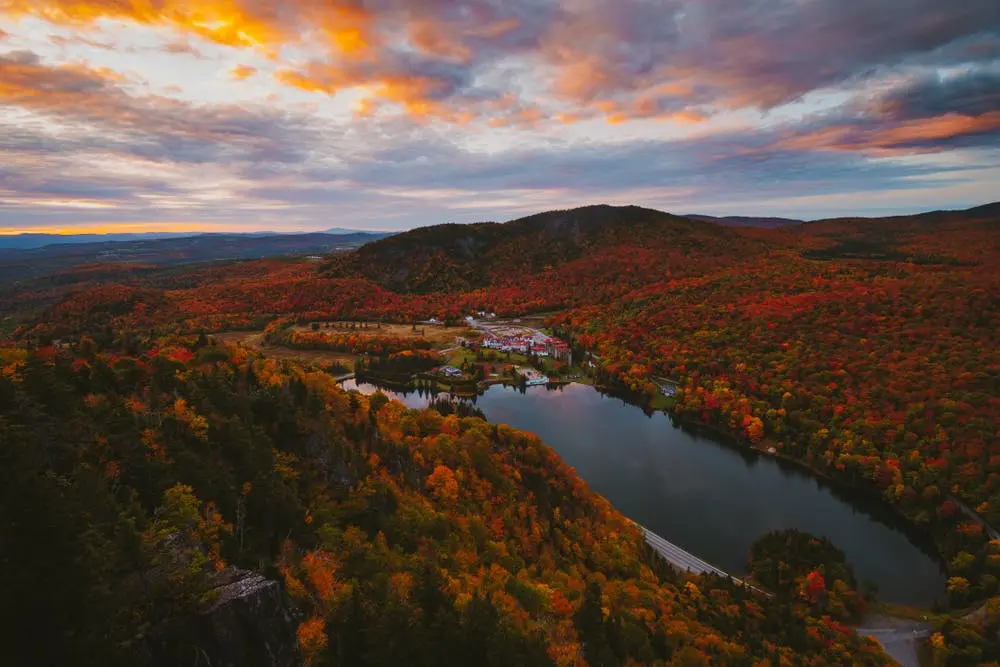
(401, 112)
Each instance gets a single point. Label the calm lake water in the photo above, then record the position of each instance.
(705, 496)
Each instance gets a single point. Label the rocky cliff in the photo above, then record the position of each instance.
(251, 622)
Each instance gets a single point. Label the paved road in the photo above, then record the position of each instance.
(898, 637)
(900, 640)
(993, 533)
(682, 560)
(677, 557)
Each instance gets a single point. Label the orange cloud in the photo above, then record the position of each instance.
(420, 95)
(688, 117)
(25, 81)
(347, 27)
(918, 134)
(435, 39)
(304, 81)
(944, 127)
(363, 48)
(222, 21)
(229, 22)
(241, 72)
(645, 108)
(593, 59)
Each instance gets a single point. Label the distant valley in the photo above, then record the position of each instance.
(30, 241)
(32, 262)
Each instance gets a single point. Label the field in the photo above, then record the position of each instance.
(255, 340)
(440, 336)
(443, 338)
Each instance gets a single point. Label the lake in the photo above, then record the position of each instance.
(710, 498)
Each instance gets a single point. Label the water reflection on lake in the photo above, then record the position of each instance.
(705, 496)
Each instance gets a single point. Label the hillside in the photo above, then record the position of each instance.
(464, 257)
(401, 536)
(875, 366)
(966, 236)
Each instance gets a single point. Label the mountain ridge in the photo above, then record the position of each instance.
(33, 240)
(747, 221)
(471, 256)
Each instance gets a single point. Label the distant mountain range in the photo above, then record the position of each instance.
(29, 241)
(18, 263)
(985, 210)
(466, 257)
(747, 221)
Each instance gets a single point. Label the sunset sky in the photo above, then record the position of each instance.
(131, 115)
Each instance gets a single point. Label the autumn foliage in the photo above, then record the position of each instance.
(403, 536)
(867, 350)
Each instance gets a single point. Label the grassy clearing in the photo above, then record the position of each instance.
(440, 336)
(255, 340)
(457, 357)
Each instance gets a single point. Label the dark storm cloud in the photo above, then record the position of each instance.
(974, 93)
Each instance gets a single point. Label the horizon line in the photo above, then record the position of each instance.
(133, 229)
(195, 229)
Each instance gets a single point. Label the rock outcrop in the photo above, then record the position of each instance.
(250, 622)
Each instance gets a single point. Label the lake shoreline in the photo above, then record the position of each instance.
(726, 436)
(576, 421)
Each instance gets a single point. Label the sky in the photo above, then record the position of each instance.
(240, 115)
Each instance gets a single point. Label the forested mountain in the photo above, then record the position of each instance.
(464, 257)
(137, 471)
(868, 350)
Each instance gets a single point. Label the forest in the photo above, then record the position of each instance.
(866, 350)
(140, 470)
(809, 570)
